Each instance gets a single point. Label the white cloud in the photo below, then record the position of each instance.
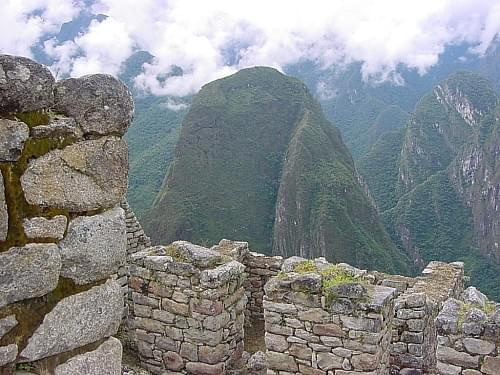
(24, 22)
(172, 105)
(211, 39)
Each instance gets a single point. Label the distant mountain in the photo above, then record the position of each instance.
(437, 182)
(257, 160)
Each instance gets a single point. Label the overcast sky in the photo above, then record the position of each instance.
(199, 35)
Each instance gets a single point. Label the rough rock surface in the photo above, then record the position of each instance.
(6, 324)
(58, 127)
(7, 354)
(4, 215)
(76, 321)
(28, 271)
(41, 227)
(94, 247)
(197, 255)
(105, 360)
(13, 134)
(100, 103)
(24, 85)
(85, 176)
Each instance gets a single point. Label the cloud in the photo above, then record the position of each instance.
(172, 105)
(211, 39)
(24, 22)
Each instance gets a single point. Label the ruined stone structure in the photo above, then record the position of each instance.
(188, 306)
(63, 174)
(71, 249)
(320, 319)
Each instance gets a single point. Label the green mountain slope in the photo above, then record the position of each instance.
(438, 184)
(256, 160)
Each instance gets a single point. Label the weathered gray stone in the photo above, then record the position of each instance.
(415, 300)
(281, 362)
(290, 263)
(76, 321)
(13, 134)
(4, 214)
(199, 368)
(491, 365)
(24, 85)
(213, 278)
(447, 320)
(6, 324)
(213, 354)
(58, 126)
(100, 103)
(348, 290)
(329, 361)
(456, 358)
(477, 346)
(309, 283)
(471, 372)
(330, 329)
(315, 315)
(85, 176)
(105, 360)
(365, 362)
(28, 271)
(276, 343)
(198, 255)
(360, 323)
(446, 369)
(41, 227)
(8, 354)
(257, 362)
(473, 296)
(189, 351)
(94, 246)
(173, 361)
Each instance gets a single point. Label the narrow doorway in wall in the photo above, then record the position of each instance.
(254, 336)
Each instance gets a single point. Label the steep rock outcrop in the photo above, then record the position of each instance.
(257, 160)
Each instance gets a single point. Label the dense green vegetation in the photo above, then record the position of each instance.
(380, 169)
(433, 207)
(257, 143)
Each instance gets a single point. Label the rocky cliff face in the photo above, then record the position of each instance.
(63, 174)
(445, 204)
(257, 160)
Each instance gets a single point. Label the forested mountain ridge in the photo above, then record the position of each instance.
(442, 196)
(257, 160)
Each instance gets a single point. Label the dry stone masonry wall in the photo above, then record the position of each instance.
(469, 335)
(188, 307)
(324, 319)
(63, 175)
(320, 318)
(414, 336)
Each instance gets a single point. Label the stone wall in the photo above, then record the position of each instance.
(327, 319)
(414, 337)
(137, 240)
(63, 174)
(188, 307)
(260, 268)
(469, 335)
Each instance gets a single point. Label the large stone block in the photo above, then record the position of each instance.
(76, 321)
(453, 357)
(13, 134)
(100, 103)
(24, 85)
(28, 271)
(105, 360)
(41, 227)
(4, 214)
(85, 176)
(94, 246)
(7, 354)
